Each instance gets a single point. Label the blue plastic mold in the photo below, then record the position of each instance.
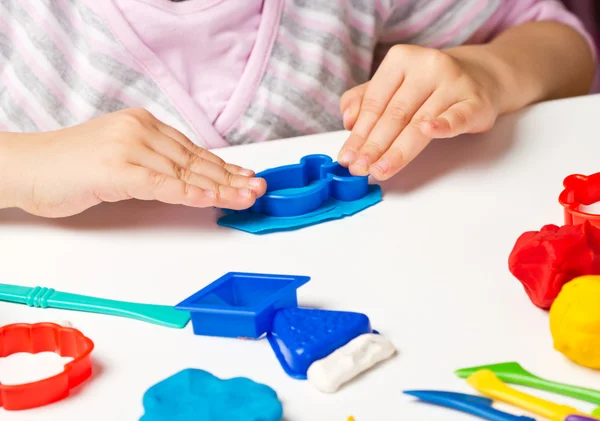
(333, 209)
(241, 305)
(301, 336)
(298, 189)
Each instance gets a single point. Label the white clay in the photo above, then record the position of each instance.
(349, 361)
(63, 323)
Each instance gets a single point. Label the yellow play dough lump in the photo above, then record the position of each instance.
(575, 321)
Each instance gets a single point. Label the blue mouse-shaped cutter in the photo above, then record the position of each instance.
(314, 180)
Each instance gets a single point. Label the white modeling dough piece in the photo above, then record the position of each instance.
(63, 323)
(349, 361)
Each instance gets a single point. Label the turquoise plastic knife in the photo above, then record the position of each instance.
(42, 297)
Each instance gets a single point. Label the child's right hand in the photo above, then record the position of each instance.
(124, 155)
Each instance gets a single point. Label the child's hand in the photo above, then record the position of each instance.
(123, 155)
(416, 94)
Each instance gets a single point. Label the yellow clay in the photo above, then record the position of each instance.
(488, 384)
(575, 321)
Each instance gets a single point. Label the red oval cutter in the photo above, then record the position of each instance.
(45, 337)
(580, 190)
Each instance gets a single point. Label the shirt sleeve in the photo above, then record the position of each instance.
(443, 24)
(512, 13)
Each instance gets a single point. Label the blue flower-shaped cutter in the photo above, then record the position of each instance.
(196, 395)
(298, 189)
(470, 404)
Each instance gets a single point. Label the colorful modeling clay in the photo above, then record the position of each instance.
(580, 190)
(301, 336)
(45, 337)
(546, 260)
(50, 298)
(512, 372)
(471, 404)
(575, 321)
(348, 361)
(196, 395)
(580, 418)
(486, 383)
(256, 223)
(241, 304)
(298, 189)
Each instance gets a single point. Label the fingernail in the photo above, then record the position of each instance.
(255, 182)
(244, 171)
(362, 163)
(210, 193)
(347, 157)
(245, 192)
(381, 166)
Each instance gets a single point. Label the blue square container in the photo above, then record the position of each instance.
(241, 305)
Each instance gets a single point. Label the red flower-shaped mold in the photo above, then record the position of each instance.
(580, 190)
(45, 337)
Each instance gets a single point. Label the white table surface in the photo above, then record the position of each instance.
(428, 265)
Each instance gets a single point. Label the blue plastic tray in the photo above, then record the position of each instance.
(301, 336)
(241, 305)
(298, 189)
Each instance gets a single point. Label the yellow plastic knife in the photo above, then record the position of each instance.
(488, 384)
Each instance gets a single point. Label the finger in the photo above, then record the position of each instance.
(405, 148)
(146, 184)
(187, 160)
(405, 103)
(439, 101)
(228, 196)
(183, 140)
(350, 105)
(467, 116)
(378, 94)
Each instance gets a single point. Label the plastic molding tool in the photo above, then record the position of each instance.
(512, 372)
(488, 384)
(241, 305)
(50, 298)
(580, 190)
(475, 405)
(45, 337)
(298, 189)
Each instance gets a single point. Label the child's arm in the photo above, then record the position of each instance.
(534, 62)
(421, 93)
(123, 155)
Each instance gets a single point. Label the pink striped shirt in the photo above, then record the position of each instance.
(224, 72)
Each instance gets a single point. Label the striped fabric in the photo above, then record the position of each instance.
(62, 64)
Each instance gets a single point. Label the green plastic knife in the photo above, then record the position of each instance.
(49, 298)
(512, 372)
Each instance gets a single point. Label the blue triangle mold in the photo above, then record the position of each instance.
(301, 336)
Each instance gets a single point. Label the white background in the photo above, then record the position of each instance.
(428, 265)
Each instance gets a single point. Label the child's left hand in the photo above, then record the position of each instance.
(416, 95)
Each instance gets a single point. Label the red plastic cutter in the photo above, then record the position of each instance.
(580, 190)
(45, 337)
